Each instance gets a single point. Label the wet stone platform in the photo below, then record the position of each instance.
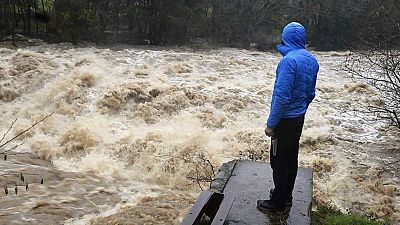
(249, 181)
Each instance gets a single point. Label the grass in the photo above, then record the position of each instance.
(328, 215)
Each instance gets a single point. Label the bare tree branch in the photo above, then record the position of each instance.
(5, 134)
(379, 68)
(16, 146)
(26, 130)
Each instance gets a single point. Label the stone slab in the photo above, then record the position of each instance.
(251, 181)
(224, 173)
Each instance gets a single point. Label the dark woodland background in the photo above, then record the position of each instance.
(331, 24)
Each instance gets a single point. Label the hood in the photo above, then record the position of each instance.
(293, 37)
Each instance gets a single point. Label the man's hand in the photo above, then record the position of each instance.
(269, 132)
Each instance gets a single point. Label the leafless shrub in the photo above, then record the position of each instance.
(203, 171)
(17, 179)
(380, 68)
(192, 162)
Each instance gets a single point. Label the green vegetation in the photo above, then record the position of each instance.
(328, 215)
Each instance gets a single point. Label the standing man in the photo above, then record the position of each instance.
(294, 90)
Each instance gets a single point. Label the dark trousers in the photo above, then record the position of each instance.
(284, 157)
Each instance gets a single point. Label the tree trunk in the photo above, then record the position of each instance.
(44, 12)
(29, 16)
(36, 19)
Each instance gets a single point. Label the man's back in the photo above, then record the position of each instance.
(303, 91)
(296, 77)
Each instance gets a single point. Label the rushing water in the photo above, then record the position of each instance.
(132, 125)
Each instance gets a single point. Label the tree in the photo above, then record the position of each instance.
(77, 19)
(378, 63)
(241, 22)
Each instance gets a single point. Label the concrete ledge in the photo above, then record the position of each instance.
(225, 172)
(250, 181)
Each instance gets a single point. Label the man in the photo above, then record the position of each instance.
(294, 89)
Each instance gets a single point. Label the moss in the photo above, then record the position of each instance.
(330, 215)
(322, 213)
(352, 219)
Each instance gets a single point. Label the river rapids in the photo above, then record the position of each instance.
(137, 131)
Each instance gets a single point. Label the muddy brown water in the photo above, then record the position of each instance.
(132, 126)
(63, 195)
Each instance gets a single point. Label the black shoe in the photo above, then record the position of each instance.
(269, 206)
(288, 201)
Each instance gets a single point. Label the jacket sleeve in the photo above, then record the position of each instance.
(282, 90)
(311, 90)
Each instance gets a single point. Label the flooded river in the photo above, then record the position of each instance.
(136, 131)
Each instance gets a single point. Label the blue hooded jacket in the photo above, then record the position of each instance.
(296, 76)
